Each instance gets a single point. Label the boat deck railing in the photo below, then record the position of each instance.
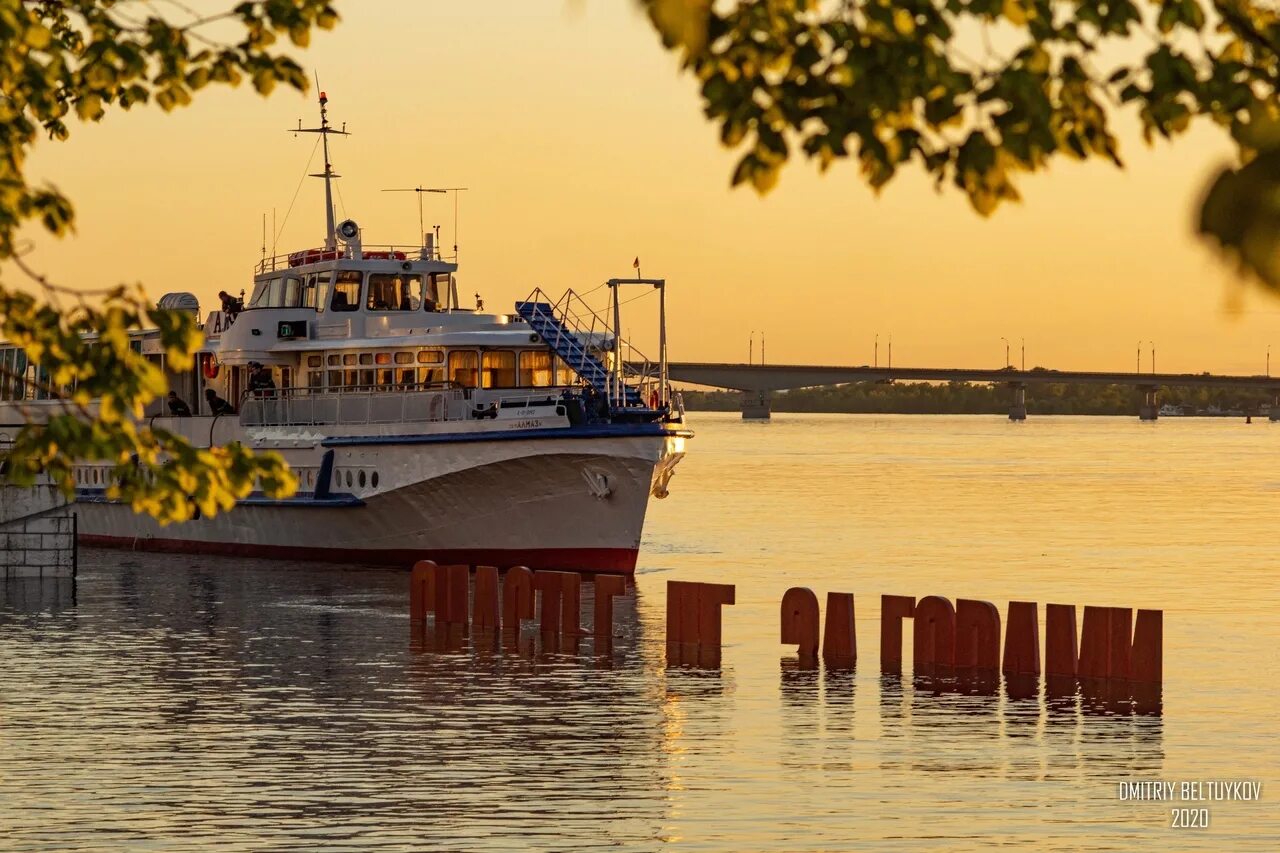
(371, 251)
(352, 406)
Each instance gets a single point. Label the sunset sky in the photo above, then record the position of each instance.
(584, 146)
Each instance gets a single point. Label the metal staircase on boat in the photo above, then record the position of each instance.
(565, 333)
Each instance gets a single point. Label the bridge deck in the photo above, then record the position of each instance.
(778, 377)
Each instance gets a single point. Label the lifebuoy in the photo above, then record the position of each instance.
(209, 366)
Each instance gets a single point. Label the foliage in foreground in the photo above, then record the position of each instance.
(77, 60)
(978, 92)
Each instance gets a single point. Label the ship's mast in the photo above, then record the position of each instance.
(331, 233)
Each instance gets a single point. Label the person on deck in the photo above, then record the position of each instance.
(217, 405)
(231, 306)
(260, 380)
(178, 407)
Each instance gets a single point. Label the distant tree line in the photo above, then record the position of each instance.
(962, 398)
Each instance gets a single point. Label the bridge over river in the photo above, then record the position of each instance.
(758, 381)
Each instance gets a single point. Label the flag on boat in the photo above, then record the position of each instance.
(636, 262)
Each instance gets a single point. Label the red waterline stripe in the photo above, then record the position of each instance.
(613, 560)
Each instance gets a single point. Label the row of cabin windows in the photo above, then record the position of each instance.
(468, 368)
(381, 291)
(20, 379)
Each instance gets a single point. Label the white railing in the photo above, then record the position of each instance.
(591, 330)
(351, 406)
(317, 255)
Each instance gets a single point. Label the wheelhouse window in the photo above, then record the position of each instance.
(437, 282)
(346, 291)
(394, 292)
(312, 292)
(464, 367)
(536, 369)
(292, 293)
(499, 369)
(258, 299)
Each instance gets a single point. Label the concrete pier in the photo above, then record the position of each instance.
(1149, 407)
(756, 405)
(37, 533)
(1018, 406)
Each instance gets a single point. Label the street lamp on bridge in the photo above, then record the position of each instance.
(1006, 351)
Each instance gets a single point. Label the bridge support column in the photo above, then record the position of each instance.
(756, 405)
(1149, 408)
(1018, 405)
(1275, 407)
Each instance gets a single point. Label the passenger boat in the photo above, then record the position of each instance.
(418, 429)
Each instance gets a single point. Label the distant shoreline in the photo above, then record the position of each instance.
(962, 398)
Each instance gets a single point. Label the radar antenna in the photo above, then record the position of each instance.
(331, 235)
(421, 223)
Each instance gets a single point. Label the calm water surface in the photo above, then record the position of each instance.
(181, 702)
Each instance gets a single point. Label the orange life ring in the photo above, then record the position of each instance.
(209, 366)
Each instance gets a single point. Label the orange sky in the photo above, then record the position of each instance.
(584, 146)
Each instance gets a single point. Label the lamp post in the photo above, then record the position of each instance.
(1268, 359)
(875, 359)
(1153, 356)
(1138, 369)
(1024, 355)
(1006, 351)
(751, 348)
(891, 349)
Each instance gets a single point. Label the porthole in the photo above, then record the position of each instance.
(348, 479)
(373, 481)
(361, 478)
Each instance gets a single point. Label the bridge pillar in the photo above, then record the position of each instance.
(1149, 408)
(1275, 408)
(1018, 405)
(756, 405)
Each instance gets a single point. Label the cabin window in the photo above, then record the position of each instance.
(310, 291)
(349, 358)
(335, 379)
(349, 379)
(404, 358)
(292, 292)
(464, 367)
(333, 359)
(565, 375)
(430, 356)
(346, 291)
(406, 377)
(366, 358)
(500, 369)
(382, 358)
(439, 283)
(386, 377)
(275, 293)
(315, 379)
(366, 380)
(536, 369)
(394, 292)
(429, 375)
(259, 297)
(313, 361)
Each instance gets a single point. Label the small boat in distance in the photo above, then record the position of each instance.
(419, 429)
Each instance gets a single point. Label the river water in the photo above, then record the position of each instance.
(177, 703)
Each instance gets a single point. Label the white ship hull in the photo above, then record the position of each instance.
(560, 499)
